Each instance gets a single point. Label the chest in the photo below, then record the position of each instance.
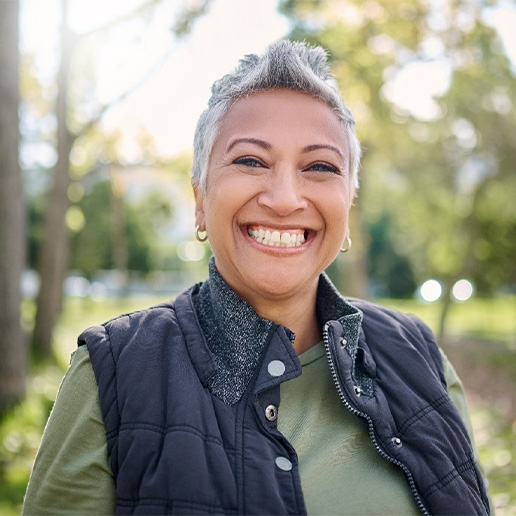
(338, 464)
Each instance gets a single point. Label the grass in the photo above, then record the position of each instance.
(493, 321)
(496, 441)
(20, 434)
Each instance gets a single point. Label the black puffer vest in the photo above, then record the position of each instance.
(176, 448)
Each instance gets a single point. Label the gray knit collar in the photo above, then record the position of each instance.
(236, 335)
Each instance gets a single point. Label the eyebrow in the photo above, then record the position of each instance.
(266, 145)
(261, 143)
(310, 148)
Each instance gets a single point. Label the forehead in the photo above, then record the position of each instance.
(284, 115)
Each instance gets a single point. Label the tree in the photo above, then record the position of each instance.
(12, 216)
(444, 177)
(122, 237)
(55, 246)
(54, 250)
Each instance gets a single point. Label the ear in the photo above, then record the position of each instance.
(199, 207)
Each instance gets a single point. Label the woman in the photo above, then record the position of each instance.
(176, 409)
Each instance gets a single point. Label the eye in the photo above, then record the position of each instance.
(321, 166)
(248, 161)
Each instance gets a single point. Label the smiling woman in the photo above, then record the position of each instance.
(263, 390)
(280, 168)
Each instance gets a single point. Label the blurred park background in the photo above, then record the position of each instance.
(98, 104)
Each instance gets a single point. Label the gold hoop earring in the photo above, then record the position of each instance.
(347, 243)
(199, 237)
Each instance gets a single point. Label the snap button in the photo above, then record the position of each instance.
(358, 390)
(397, 442)
(283, 463)
(271, 413)
(343, 342)
(276, 368)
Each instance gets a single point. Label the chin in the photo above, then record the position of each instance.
(279, 284)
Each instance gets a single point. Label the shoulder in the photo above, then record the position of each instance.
(374, 310)
(390, 329)
(129, 322)
(156, 320)
(106, 341)
(141, 344)
(382, 318)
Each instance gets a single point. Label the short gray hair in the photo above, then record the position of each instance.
(285, 64)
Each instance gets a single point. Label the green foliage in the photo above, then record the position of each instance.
(139, 244)
(139, 229)
(20, 434)
(189, 15)
(446, 182)
(91, 248)
(35, 218)
(496, 442)
(391, 271)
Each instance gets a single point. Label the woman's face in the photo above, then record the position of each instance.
(278, 194)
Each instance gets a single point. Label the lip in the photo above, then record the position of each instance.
(309, 236)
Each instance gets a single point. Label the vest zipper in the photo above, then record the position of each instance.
(363, 415)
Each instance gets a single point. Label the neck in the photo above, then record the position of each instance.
(297, 313)
(236, 326)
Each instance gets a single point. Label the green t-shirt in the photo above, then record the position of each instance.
(341, 473)
(71, 474)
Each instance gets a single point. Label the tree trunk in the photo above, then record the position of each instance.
(12, 216)
(445, 310)
(349, 270)
(53, 259)
(120, 252)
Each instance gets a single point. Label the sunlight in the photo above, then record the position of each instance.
(430, 291)
(171, 101)
(504, 21)
(91, 14)
(462, 290)
(416, 85)
(167, 106)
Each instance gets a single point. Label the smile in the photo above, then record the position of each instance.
(276, 238)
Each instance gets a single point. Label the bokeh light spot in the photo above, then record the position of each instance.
(191, 251)
(431, 290)
(462, 290)
(75, 219)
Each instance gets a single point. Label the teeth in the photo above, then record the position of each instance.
(277, 239)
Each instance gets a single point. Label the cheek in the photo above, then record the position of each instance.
(337, 203)
(224, 198)
(338, 224)
(216, 195)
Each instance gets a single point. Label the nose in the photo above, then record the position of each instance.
(283, 192)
